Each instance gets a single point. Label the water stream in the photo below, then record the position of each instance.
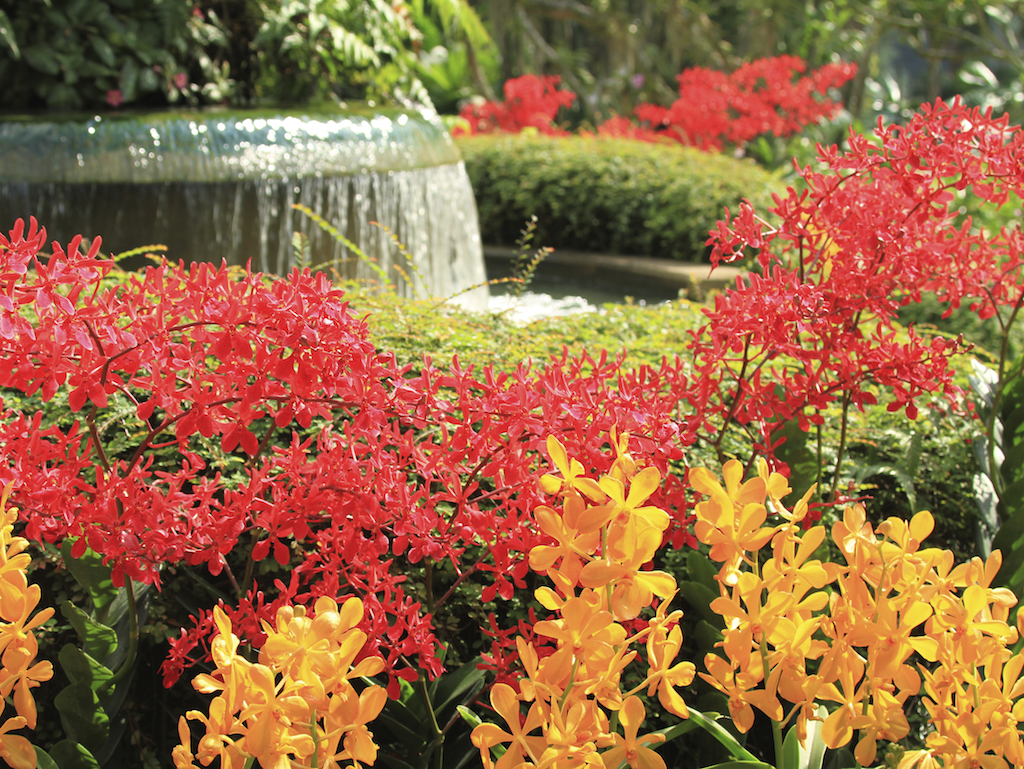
(216, 185)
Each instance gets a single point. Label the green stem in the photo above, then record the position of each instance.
(314, 760)
(133, 637)
(437, 757)
(997, 398)
(844, 424)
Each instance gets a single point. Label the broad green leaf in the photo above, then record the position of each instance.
(98, 641)
(70, 755)
(456, 688)
(705, 635)
(799, 458)
(148, 80)
(90, 572)
(42, 59)
(82, 717)
(1013, 388)
(7, 35)
(983, 382)
(43, 759)
(1010, 540)
(699, 597)
(812, 753)
(128, 79)
(699, 568)
(401, 727)
(81, 669)
(104, 50)
(469, 716)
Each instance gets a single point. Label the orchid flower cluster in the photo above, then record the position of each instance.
(603, 536)
(896, 621)
(296, 706)
(775, 95)
(19, 672)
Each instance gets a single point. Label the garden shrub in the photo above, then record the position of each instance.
(607, 196)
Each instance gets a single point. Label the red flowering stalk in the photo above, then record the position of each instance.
(404, 466)
(774, 96)
(872, 231)
(531, 101)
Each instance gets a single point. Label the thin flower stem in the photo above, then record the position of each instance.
(133, 637)
(841, 450)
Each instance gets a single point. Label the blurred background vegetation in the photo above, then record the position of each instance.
(612, 53)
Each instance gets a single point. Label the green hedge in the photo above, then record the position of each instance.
(608, 196)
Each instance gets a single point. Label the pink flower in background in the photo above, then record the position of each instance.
(115, 98)
(180, 81)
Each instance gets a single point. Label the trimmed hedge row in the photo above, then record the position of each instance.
(606, 195)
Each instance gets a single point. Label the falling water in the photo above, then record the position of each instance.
(214, 186)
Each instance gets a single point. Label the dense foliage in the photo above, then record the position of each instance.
(96, 55)
(600, 195)
(618, 53)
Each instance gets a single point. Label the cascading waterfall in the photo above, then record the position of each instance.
(214, 186)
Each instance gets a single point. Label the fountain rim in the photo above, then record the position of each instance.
(256, 144)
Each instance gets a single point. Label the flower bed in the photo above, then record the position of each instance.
(327, 502)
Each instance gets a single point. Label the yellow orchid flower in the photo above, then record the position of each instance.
(632, 748)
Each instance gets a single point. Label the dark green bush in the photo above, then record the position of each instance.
(610, 196)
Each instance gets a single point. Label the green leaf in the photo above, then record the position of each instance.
(699, 597)
(90, 572)
(98, 641)
(148, 80)
(469, 716)
(70, 755)
(42, 59)
(83, 670)
(841, 759)
(987, 522)
(398, 722)
(799, 458)
(82, 717)
(104, 50)
(683, 727)
(393, 761)
(1010, 540)
(705, 635)
(811, 755)
(128, 79)
(699, 568)
(456, 688)
(708, 723)
(43, 759)
(741, 765)
(7, 35)
(1013, 388)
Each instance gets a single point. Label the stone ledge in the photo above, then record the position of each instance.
(660, 276)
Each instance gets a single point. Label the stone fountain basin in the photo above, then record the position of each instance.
(215, 184)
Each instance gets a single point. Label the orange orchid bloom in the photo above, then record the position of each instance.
(632, 587)
(662, 675)
(573, 477)
(632, 748)
(521, 745)
(15, 749)
(571, 546)
(737, 683)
